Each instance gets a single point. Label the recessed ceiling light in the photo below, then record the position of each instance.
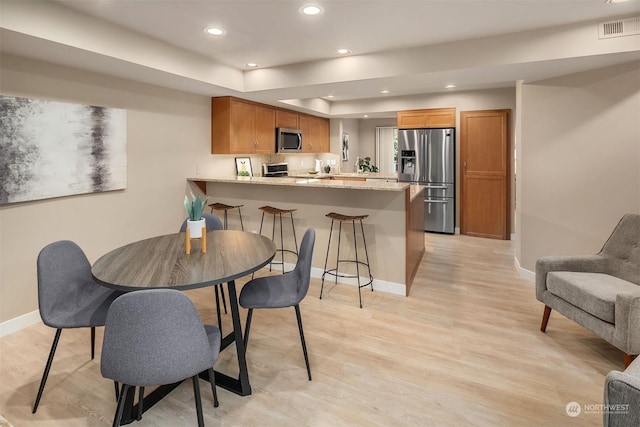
(450, 86)
(384, 92)
(215, 31)
(251, 65)
(366, 116)
(615, 1)
(329, 96)
(311, 10)
(343, 51)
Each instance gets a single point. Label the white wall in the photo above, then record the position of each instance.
(580, 160)
(168, 135)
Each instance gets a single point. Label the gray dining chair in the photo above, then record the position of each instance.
(156, 337)
(68, 297)
(285, 290)
(213, 223)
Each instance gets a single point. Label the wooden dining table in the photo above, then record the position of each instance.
(162, 262)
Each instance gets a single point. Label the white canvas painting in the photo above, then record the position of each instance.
(52, 149)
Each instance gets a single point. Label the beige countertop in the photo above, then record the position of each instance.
(313, 182)
(321, 175)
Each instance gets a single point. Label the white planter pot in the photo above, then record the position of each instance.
(195, 228)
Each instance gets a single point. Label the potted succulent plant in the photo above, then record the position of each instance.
(195, 206)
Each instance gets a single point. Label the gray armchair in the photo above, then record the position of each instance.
(600, 292)
(622, 397)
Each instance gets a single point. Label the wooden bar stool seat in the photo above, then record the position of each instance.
(340, 218)
(270, 210)
(225, 208)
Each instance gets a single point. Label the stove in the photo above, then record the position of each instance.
(275, 170)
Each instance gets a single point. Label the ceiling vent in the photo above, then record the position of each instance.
(619, 28)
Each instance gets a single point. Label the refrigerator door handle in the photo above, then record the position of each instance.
(436, 201)
(436, 187)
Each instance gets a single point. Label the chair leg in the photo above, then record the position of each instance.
(120, 408)
(45, 374)
(93, 342)
(628, 359)
(355, 250)
(281, 243)
(545, 318)
(117, 387)
(196, 395)
(247, 326)
(326, 260)
(304, 346)
(212, 380)
(140, 403)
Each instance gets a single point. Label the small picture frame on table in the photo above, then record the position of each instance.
(243, 166)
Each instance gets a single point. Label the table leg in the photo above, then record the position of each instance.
(130, 412)
(241, 384)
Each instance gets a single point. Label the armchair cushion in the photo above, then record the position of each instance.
(594, 293)
(622, 397)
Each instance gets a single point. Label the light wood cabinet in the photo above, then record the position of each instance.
(241, 127)
(432, 118)
(287, 119)
(315, 134)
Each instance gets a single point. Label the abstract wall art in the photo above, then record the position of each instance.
(52, 149)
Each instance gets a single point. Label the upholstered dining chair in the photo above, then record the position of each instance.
(213, 223)
(285, 290)
(68, 297)
(156, 337)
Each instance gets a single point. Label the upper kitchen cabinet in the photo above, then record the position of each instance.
(315, 134)
(241, 127)
(432, 118)
(287, 119)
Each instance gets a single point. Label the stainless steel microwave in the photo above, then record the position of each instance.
(288, 140)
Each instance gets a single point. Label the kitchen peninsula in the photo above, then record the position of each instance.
(394, 229)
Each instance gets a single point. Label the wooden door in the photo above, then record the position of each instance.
(486, 174)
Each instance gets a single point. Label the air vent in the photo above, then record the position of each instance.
(619, 28)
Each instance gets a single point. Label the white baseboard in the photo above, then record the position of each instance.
(378, 285)
(456, 230)
(14, 325)
(523, 272)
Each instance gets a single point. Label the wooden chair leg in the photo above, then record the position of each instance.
(545, 318)
(628, 359)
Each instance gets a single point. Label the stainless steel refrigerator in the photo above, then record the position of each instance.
(427, 157)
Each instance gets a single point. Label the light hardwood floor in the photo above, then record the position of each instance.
(464, 349)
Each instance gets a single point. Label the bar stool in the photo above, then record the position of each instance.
(278, 212)
(222, 207)
(334, 271)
